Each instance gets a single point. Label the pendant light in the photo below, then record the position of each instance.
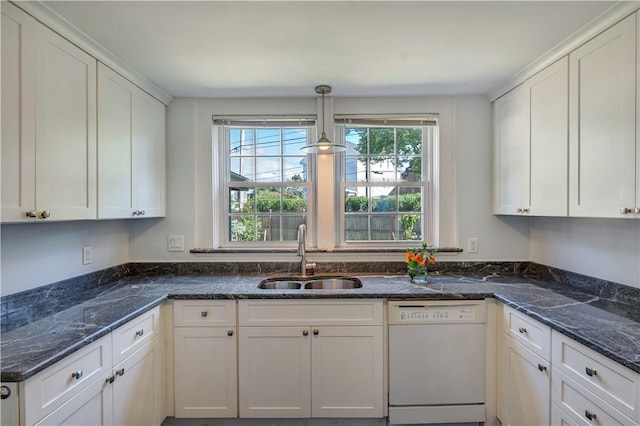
(324, 145)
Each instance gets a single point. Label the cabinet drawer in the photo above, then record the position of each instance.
(582, 407)
(614, 383)
(204, 313)
(310, 312)
(52, 387)
(531, 333)
(134, 334)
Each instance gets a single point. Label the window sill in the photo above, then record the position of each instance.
(314, 250)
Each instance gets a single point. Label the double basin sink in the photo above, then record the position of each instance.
(310, 283)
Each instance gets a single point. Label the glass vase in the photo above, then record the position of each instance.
(418, 275)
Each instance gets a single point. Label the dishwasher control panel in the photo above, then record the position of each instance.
(430, 312)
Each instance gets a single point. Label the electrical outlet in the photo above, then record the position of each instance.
(87, 255)
(472, 245)
(175, 242)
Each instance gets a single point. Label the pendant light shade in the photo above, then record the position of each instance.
(323, 145)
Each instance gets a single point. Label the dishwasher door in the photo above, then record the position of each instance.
(436, 364)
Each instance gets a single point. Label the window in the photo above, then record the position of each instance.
(386, 179)
(266, 179)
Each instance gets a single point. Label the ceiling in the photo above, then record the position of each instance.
(361, 48)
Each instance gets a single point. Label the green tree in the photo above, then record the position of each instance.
(392, 143)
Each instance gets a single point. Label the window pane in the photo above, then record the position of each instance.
(410, 200)
(294, 200)
(293, 140)
(384, 199)
(409, 141)
(242, 228)
(356, 140)
(381, 141)
(383, 227)
(355, 202)
(268, 228)
(409, 169)
(241, 142)
(268, 142)
(242, 169)
(241, 200)
(268, 200)
(295, 169)
(290, 225)
(357, 227)
(268, 169)
(383, 169)
(410, 227)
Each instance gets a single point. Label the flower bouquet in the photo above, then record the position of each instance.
(417, 261)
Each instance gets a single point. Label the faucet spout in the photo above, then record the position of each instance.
(302, 250)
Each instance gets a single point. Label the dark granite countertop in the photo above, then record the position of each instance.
(608, 326)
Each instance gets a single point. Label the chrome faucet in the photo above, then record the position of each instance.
(302, 250)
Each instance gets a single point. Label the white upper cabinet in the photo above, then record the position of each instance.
(602, 98)
(48, 123)
(530, 145)
(18, 114)
(65, 129)
(131, 149)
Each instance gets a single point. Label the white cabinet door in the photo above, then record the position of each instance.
(115, 104)
(136, 390)
(274, 365)
(511, 152)
(91, 407)
(347, 371)
(18, 114)
(131, 149)
(148, 162)
(602, 90)
(205, 372)
(549, 97)
(528, 393)
(65, 129)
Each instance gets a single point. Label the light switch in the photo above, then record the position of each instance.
(175, 242)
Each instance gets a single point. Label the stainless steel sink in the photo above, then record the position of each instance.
(310, 283)
(333, 283)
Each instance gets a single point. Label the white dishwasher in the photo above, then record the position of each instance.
(437, 361)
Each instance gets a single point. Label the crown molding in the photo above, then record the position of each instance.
(48, 17)
(605, 20)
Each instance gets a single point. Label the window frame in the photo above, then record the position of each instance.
(221, 177)
(430, 159)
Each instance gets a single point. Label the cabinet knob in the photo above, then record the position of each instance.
(77, 374)
(204, 314)
(542, 367)
(637, 210)
(45, 214)
(230, 333)
(142, 212)
(305, 332)
(316, 332)
(590, 372)
(140, 332)
(5, 392)
(522, 330)
(589, 415)
(626, 210)
(31, 214)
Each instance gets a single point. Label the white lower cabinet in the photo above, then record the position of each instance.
(88, 388)
(205, 358)
(525, 372)
(310, 358)
(528, 387)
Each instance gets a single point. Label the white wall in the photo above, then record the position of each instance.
(189, 173)
(603, 248)
(36, 254)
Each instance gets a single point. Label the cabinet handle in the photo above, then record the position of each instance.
(204, 314)
(230, 333)
(142, 212)
(316, 332)
(305, 332)
(77, 374)
(140, 332)
(120, 372)
(626, 210)
(637, 210)
(542, 367)
(589, 415)
(522, 330)
(45, 214)
(110, 379)
(31, 214)
(590, 372)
